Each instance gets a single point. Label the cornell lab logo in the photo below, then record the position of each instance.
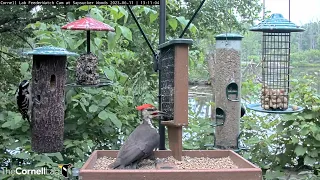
(64, 169)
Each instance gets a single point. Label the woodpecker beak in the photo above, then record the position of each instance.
(159, 113)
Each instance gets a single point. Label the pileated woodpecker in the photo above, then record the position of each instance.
(141, 142)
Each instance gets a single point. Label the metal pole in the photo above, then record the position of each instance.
(289, 9)
(142, 32)
(88, 42)
(162, 39)
(190, 21)
(264, 9)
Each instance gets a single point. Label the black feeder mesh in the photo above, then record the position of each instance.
(275, 71)
(86, 69)
(167, 81)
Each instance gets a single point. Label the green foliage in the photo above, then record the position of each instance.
(308, 56)
(279, 142)
(96, 118)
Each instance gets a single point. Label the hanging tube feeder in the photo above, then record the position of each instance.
(275, 65)
(87, 63)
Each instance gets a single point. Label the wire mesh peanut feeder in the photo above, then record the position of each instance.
(276, 32)
(86, 68)
(47, 113)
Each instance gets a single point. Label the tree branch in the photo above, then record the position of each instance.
(9, 27)
(8, 54)
(21, 37)
(15, 15)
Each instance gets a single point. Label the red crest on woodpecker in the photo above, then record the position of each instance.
(144, 106)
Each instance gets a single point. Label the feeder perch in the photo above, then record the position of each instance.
(227, 91)
(220, 117)
(232, 88)
(48, 80)
(276, 32)
(174, 89)
(86, 69)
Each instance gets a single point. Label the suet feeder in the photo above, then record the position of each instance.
(276, 32)
(86, 68)
(47, 113)
(173, 65)
(227, 93)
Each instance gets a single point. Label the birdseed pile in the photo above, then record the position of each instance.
(228, 70)
(86, 69)
(186, 163)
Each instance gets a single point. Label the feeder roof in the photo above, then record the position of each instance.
(88, 23)
(229, 36)
(176, 41)
(276, 23)
(51, 50)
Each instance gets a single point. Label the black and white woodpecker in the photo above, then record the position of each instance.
(141, 142)
(24, 101)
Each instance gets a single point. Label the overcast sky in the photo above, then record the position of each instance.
(302, 11)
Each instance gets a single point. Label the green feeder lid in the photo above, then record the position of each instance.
(51, 50)
(229, 36)
(276, 23)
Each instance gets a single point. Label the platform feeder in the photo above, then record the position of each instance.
(276, 32)
(86, 68)
(174, 90)
(47, 113)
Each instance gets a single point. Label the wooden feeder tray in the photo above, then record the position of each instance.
(257, 107)
(245, 170)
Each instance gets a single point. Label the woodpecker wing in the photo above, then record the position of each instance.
(140, 144)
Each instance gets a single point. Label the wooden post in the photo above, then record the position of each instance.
(47, 114)
(174, 90)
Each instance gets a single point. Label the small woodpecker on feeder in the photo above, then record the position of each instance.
(24, 101)
(243, 111)
(141, 142)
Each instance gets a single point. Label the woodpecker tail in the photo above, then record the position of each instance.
(115, 165)
(28, 119)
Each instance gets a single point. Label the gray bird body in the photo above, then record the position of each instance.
(139, 145)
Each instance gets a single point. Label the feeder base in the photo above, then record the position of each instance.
(257, 107)
(101, 84)
(245, 170)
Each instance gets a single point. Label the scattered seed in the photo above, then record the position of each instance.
(186, 163)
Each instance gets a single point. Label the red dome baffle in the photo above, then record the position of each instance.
(88, 24)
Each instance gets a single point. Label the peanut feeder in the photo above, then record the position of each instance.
(276, 34)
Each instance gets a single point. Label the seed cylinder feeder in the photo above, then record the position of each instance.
(47, 90)
(86, 68)
(227, 91)
(276, 32)
(174, 90)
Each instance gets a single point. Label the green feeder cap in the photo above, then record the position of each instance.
(51, 50)
(278, 24)
(229, 36)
